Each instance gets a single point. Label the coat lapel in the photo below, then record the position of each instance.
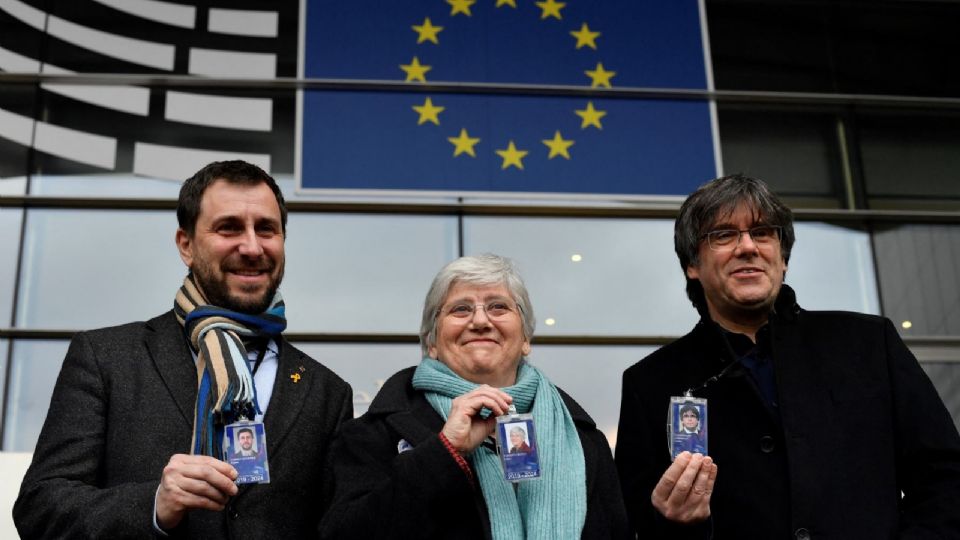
(171, 356)
(295, 376)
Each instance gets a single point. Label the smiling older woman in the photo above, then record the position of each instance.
(420, 463)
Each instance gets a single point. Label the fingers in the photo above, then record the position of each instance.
(684, 483)
(464, 428)
(706, 476)
(492, 398)
(193, 482)
(670, 477)
(683, 492)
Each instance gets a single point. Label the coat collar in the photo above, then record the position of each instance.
(785, 311)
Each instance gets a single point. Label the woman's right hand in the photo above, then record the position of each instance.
(464, 428)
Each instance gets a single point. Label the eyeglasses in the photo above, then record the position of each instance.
(495, 310)
(729, 239)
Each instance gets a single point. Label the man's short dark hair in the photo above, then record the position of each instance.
(715, 200)
(241, 431)
(234, 172)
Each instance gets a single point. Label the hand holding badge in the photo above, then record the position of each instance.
(517, 445)
(687, 425)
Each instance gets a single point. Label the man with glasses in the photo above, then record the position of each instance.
(823, 424)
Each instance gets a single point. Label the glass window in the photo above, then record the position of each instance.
(794, 150)
(911, 160)
(893, 48)
(362, 273)
(86, 269)
(831, 267)
(33, 374)
(592, 276)
(17, 109)
(918, 267)
(593, 376)
(365, 366)
(9, 246)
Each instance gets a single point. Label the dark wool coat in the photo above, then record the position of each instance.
(859, 422)
(124, 404)
(422, 493)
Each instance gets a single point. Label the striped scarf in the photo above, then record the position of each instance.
(225, 389)
(552, 506)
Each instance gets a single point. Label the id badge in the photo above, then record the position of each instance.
(687, 425)
(245, 447)
(517, 445)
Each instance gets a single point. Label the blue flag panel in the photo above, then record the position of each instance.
(506, 143)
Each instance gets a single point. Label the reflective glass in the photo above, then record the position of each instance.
(911, 160)
(918, 267)
(86, 269)
(33, 374)
(831, 267)
(795, 151)
(593, 376)
(366, 366)
(592, 276)
(362, 273)
(9, 246)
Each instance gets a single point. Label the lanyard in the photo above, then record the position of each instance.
(260, 355)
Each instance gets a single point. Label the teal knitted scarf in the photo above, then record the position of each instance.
(552, 506)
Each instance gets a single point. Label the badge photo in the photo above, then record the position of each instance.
(245, 447)
(687, 425)
(517, 444)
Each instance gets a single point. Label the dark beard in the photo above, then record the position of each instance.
(217, 294)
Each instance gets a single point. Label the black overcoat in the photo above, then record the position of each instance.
(421, 493)
(123, 404)
(859, 422)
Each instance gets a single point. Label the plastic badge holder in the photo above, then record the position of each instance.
(517, 445)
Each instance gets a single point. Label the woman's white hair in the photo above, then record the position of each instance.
(486, 269)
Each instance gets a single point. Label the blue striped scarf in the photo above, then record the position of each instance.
(552, 506)
(225, 388)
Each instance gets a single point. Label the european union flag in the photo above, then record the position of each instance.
(506, 143)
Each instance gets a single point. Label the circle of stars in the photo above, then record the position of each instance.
(465, 145)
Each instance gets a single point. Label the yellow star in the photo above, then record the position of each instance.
(428, 32)
(464, 144)
(600, 76)
(584, 37)
(512, 156)
(591, 116)
(428, 113)
(461, 6)
(511, 3)
(415, 71)
(551, 8)
(558, 146)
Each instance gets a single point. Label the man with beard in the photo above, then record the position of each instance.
(822, 423)
(132, 438)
